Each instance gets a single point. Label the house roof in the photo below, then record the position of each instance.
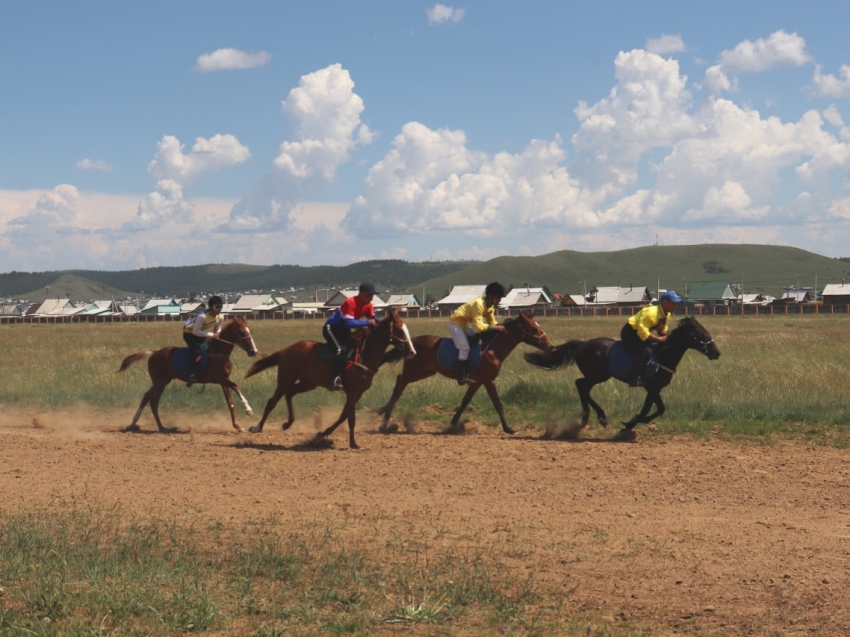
(407, 300)
(710, 291)
(257, 302)
(836, 289)
(798, 296)
(337, 299)
(460, 294)
(525, 297)
(155, 303)
(188, 308)
(52, 306)
(635, 295)
(574, 299)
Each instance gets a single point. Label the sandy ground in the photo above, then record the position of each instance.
(698, 537)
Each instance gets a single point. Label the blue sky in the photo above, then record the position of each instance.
(329, 132)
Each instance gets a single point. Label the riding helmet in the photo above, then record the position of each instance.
(368, 288)
(215, 300)
(495, 289)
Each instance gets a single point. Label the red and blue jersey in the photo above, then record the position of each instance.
(352, 313)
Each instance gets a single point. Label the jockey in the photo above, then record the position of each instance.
(474, 317)
(637, 333)
(354, 312)
(201, 330)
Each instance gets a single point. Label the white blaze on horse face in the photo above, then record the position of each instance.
(250, 336)
(409, 340)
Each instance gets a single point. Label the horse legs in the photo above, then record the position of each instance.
(347, 412)
(467, 397)
(490, 386)
(652, 397)
(155, 394)
(270, 404)
(229, 398)
(235, 387)
(401, 383)
(299, 388)
(134, 426)
(584, 386)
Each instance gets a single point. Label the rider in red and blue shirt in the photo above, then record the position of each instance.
(353, 313)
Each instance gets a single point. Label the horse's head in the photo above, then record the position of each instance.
(525, 329)
(698, 338)
(399, 336)
(237, 332)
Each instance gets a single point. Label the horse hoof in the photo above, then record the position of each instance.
(249, 412)
(240, 430)
(130, 428)
(508, 430)
(286, 425)
(603, 422)
(389, 428)
(255, 429)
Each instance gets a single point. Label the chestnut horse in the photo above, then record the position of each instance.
(522, 329)
(234, 332)
(301, 368)
(592, 359)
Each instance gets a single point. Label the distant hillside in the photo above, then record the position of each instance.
(76, 288)
(392, 274)
(765, 269)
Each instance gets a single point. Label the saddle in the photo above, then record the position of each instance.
(181, 360)
(621, 361)
(447, 353)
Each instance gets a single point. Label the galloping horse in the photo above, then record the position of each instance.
(522, 329)
(592, 358)
(301, 368)
(233, 332)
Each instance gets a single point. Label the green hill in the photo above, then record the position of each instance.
(76, 288)
(393, 275)
(764, 269)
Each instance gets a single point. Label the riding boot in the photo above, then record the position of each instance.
(336, 374)
(637, 371)
(463, 372)
(193, 369)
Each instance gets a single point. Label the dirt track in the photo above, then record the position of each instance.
(700, 537)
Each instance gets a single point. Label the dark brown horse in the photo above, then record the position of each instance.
(234, 332)
(301, 368)
(522, 329)
(592, 359)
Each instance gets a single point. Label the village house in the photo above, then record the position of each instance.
(711, 293)
(836, 294)
(459, 295)
(527, 298)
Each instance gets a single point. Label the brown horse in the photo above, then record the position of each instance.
(234, 332)
(301, 368)
(522, 329)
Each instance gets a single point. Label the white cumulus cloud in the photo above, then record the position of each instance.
(94, 164)
(666, 44)
(778, 50)
(228, 59)
(325, 114)
(831, 86)
(441, 13)
(207, 155)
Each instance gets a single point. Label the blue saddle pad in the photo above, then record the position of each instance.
(621, 361)
(447, 355)
(181, 357)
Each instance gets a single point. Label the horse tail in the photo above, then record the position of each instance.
(556, 358)
(392, 356)
(263, 364)
(134, 358)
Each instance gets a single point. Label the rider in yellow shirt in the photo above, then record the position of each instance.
(202, 329)
(648, 326)
(474, 317)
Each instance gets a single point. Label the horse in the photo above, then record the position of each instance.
(592, 358)
(301, 367)
(234, 332)
(522, 329)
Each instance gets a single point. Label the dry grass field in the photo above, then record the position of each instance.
(729, 516)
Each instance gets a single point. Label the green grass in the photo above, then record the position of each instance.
(777, 376)
(70, 569)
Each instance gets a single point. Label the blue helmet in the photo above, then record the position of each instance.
(670, 295)
(367, 287)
